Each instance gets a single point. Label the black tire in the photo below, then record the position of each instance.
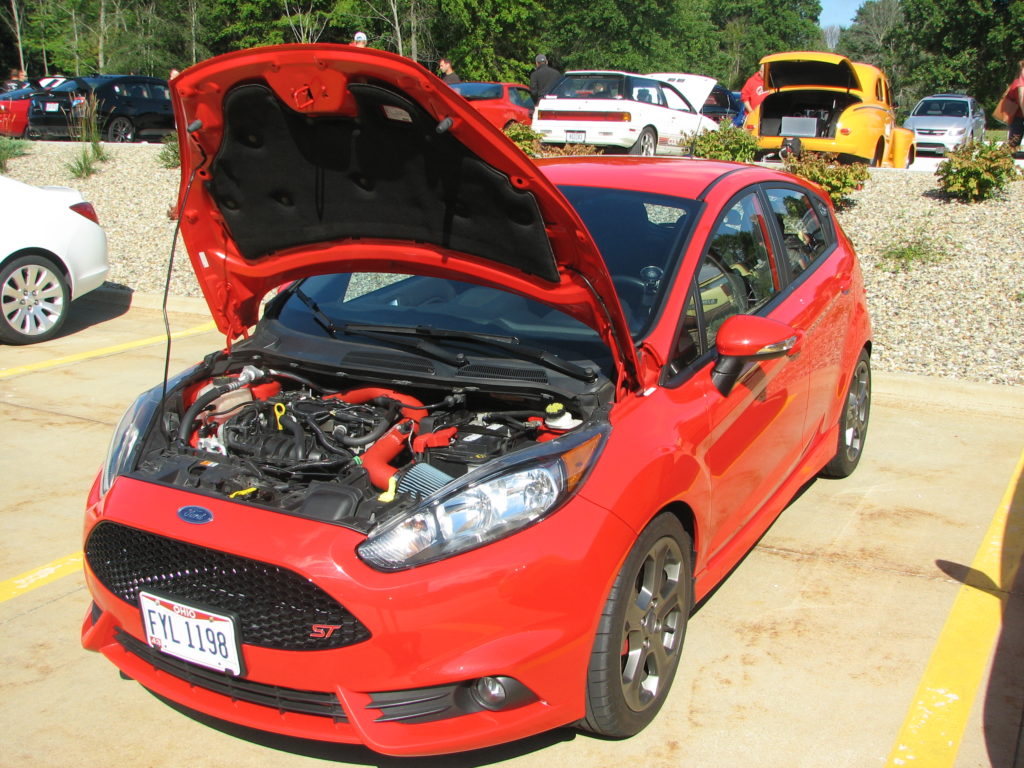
(34, 300)
(121, 129)
(646, 144)
(640, 635)
(853, 421)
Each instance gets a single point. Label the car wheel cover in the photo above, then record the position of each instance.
(652, 630)
(121, 130)
(32, 300)
(855, 420)
(647, 144)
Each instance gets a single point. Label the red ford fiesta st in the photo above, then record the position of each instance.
(499, 427)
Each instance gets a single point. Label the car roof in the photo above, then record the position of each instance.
(670, 176)
(946, 96)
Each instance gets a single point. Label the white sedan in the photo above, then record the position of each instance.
(618, 110)
(52, 250)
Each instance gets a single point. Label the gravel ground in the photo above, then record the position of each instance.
(960, 316)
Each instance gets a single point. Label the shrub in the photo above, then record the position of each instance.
(170, 153)
(977, 171)
(528, 140)
(10, 148)
(727, 143)
(84, 164)
(838, 180)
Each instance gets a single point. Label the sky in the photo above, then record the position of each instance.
(839, 12)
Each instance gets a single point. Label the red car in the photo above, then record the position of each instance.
(14, 106)
(500, 429)
(500, 103)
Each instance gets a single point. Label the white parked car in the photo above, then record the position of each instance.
(618, 110)
(52, 250)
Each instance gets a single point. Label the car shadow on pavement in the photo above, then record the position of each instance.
(1003, 713)
(95, 310)
(359, 755)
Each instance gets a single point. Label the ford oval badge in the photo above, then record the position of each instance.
(195, 515)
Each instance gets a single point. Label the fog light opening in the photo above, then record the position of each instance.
(491, 693)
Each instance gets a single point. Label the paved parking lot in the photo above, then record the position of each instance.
(879, 622)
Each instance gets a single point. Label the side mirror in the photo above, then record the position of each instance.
(746, 339)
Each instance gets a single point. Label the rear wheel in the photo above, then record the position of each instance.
(121, 129)
(640, 635)
(34, 300)
(647, 144)
(853, 422)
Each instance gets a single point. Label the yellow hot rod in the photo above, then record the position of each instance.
(830, 104)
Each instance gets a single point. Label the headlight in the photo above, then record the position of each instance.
(485, 505)
(132, 429)
(958, 131)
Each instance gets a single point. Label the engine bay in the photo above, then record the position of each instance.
(352, 456)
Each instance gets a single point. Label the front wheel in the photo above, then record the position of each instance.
(34, 300)
(647, 144)
(853, 421)
(121, 129)
(640, 635)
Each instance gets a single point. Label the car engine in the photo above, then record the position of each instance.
(352, 457)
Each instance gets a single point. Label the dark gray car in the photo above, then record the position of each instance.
(945, 121)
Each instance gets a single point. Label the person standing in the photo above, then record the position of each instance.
(753, 92)
(448, 71)
(543, 77)
(1015, 95)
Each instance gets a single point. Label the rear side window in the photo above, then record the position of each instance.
(801, 227)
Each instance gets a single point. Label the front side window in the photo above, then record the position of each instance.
(736, 276)
(802, 233)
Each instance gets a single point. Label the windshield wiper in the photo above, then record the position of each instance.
(507, 343)
(377, 332)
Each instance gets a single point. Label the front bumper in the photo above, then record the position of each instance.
(940, 143)
(525, 608)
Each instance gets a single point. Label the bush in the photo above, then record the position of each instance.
(170, 153)
(977, 171)
(84, 164)
(10, 148)
(837, 179)
(528, 140)
(727, 143)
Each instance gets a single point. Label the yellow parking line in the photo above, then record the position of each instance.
(40, 576)
(103, 351)
(935, 722)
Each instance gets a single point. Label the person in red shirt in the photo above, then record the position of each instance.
(753, 92)
(1016, 95)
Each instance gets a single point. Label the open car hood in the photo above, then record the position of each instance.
(321, 158)
(696, 88)
(809, 69)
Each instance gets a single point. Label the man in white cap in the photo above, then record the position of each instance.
(359, 40)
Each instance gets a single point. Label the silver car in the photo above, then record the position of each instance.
(945, 121)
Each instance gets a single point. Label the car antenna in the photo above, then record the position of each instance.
(193, 127)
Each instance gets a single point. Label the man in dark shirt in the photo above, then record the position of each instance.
(448, 71)
(543, 78)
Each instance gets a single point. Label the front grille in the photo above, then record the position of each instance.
(276, 607)
(274, 696)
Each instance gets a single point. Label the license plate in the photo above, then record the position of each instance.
(51, 106)
(191, 633)
(575, 137)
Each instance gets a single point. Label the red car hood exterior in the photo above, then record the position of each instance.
(321, 158)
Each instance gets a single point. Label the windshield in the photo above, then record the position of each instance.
(595, 86)
(325, 304)
(941, 108)
(478, 91)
